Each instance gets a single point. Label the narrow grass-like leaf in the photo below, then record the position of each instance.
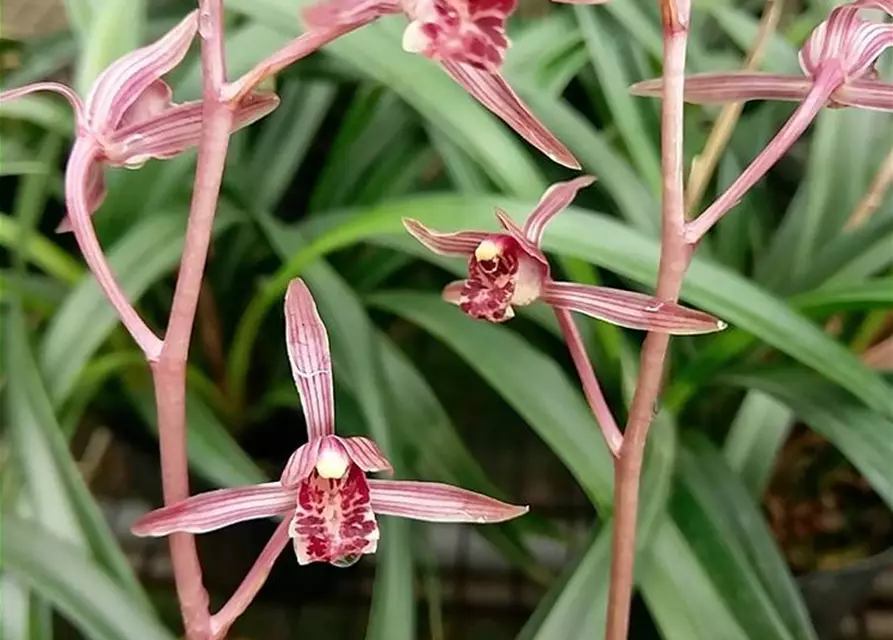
(115, 28)
(727, 530)
(862, 435)
(149, 251)
(58, 493)
(523, 376)
(760, 428)
(59, 572)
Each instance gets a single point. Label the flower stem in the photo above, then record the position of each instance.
(254, 580)
(674, 259)
(591, 387)
(169, 372)
(83, 155)
(829, 78)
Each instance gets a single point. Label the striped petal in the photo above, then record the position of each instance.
(177, 129)
(737, 86)
(332, 13)
(125, 81)
(94, 194)
(528, 246)
(492, 91)
(452, 293)
(866, 94)
(555, 200)
(847, 39)
(461, 243)
(629, 309)
(311, 365)
(217, 509)
(365, 454)
(301, 463)
(435, 502)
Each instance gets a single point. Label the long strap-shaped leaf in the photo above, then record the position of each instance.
(62, 574)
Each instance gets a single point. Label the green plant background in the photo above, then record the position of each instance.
(367, 134)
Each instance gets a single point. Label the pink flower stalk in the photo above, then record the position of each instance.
(127, 118)
(509, 268)
(838, 61)
(466, 37)
(323, 490)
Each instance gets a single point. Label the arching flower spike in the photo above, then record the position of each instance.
(508, 269)
(323, 490)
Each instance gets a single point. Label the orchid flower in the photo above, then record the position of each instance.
(323, 491)
(127, 118)
(466, 37)
(509, 269)
(838, 62)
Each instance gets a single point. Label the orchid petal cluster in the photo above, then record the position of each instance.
(127, 118)
(323, 491)
(838, 61)
(466, 37)
(509, 269)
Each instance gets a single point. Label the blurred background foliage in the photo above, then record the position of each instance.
(769, 483)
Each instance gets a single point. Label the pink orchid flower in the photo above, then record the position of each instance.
(838, 61)
(509, 268)
(128, 118)
(466, 37)
(323, 491)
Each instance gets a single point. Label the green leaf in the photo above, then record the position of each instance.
(523, 376)
(60, 572)
(603, 42)
(285, 138)
(862, 435)
(576, 605)
(25, 615)
(727, 530)
(212, 450)
(876, 293)
(375, 51)
(39, 251)
(755, 438)
(115, 28)
(58, 494)
(149, 251)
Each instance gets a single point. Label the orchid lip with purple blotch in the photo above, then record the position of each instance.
(323, 489)
(508, 269)
(841, 51)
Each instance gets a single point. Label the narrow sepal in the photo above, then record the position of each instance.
(629, 309)
(217, 509)
(492, 91)
(736, 86)
(125, 80)
(332, 13)
(54, 87)
(555, 200)
(311, 365)
(435, 502)
(461, 243)
(866, 94)
(301, 463)
(177, 129)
